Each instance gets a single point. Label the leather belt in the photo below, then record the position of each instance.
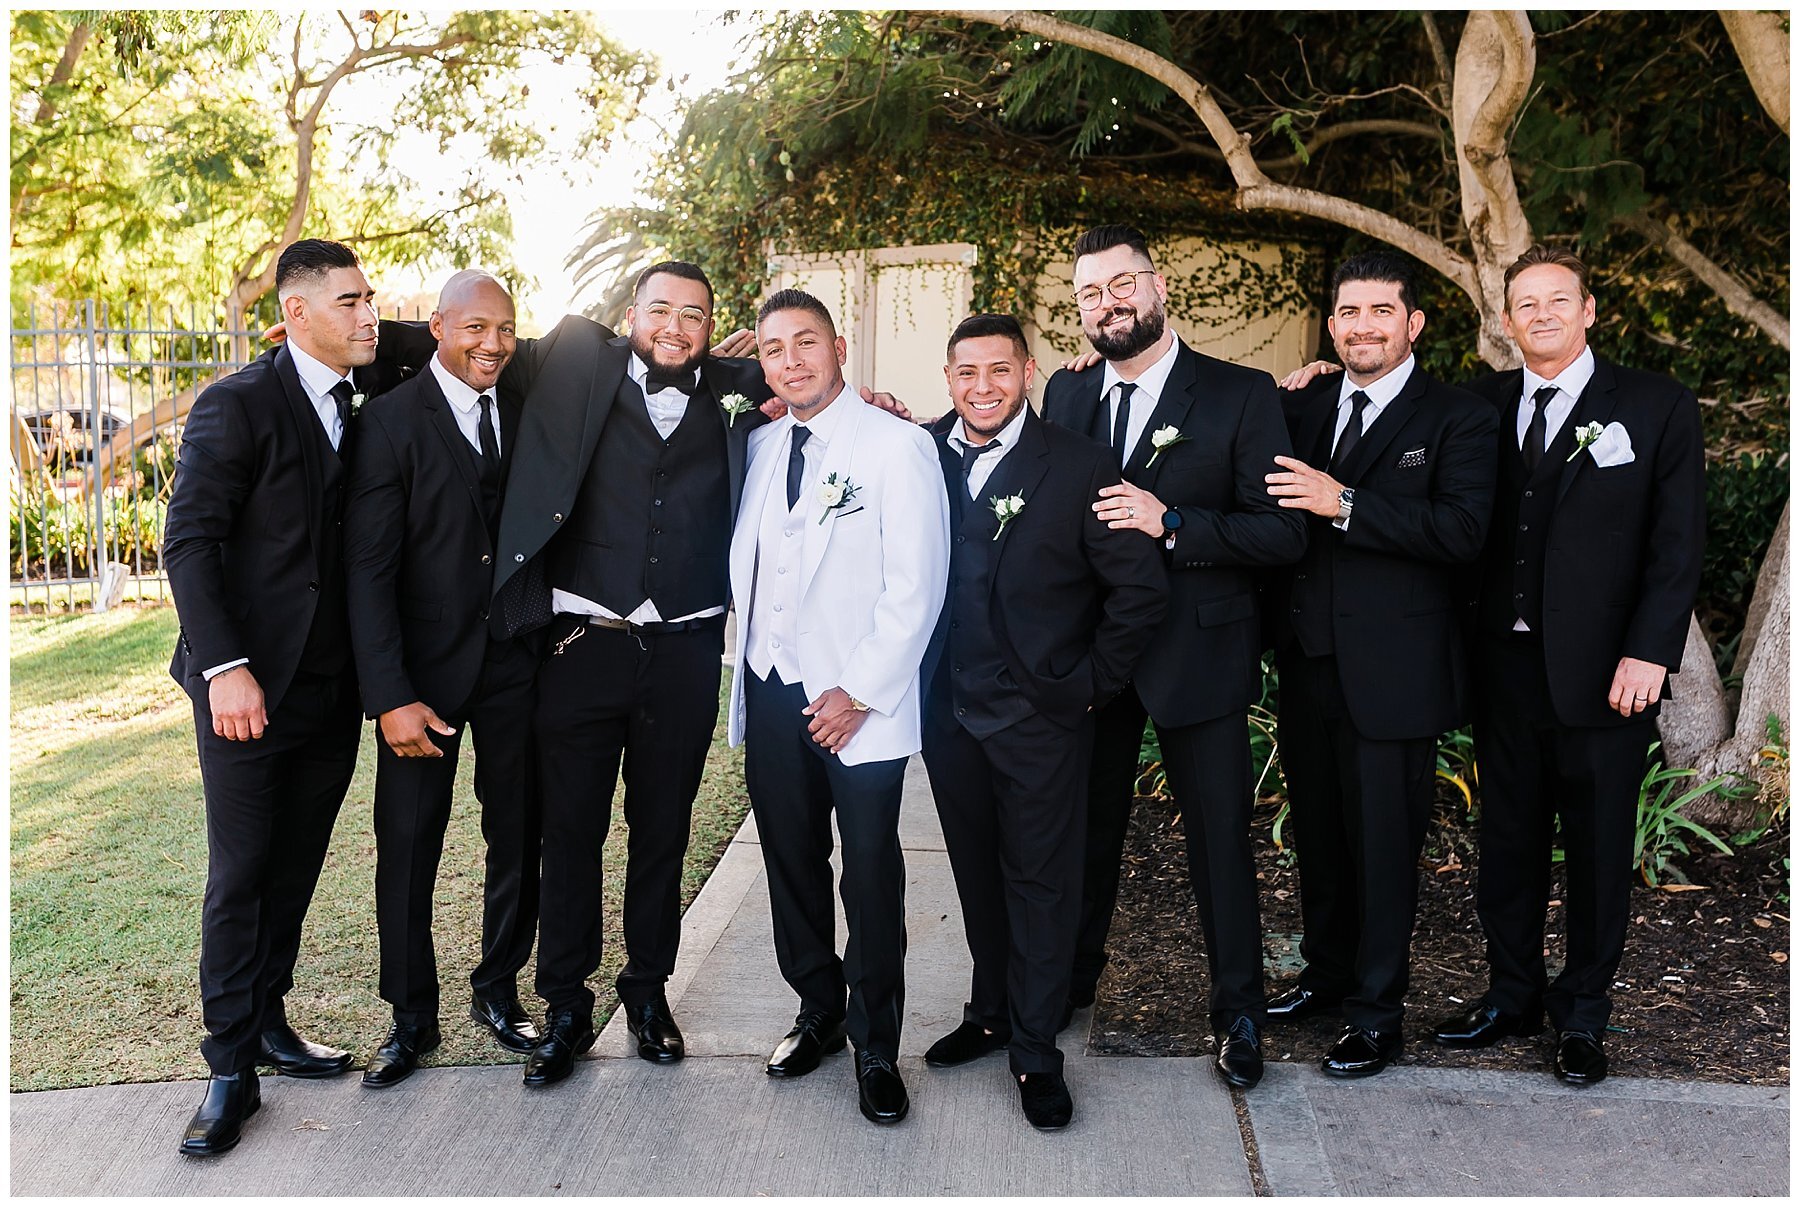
(655, 628)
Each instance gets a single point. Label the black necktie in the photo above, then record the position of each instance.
(796, 464)
(1352, 430)
(970, 453)
(1533, 448)
(343, 391)
(1121, 419)
(683, 382)
(490, 447)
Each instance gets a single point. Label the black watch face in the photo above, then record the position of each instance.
(1171, 519)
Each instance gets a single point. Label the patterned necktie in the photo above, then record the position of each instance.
(796, 464)
(970, 453)
(1352, 430)
(343, 391)
(1122, 420)
(1533, 448)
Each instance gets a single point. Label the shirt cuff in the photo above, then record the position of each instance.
(222, 668)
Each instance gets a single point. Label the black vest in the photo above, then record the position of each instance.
(1522, 506)
(983, 693)
(327, 649)
(1310, 603)
(488, 478)
(653, 517)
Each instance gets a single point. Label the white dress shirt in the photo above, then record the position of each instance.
(1149, 391)
(773, 611)
(668, 406)
(983, 469)
(1569, 385)
(1381, 391)
(465, 405)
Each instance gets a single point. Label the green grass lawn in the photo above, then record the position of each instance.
(109, 865)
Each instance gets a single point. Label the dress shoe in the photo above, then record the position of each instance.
(292, 1056)
(1045, 1097)
(798, 1053)
(658, 1038)
(506, 1021)
(1292, 1005)
(566, 1036)
(397, 1057)
(968, 1042)
(1360, 1052)
(230, 1099)
(1580, 1060)
(1240, 1060)
(879, 1090)
(1482, 1025)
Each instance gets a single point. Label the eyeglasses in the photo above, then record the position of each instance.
(658, 314)
(1121, 287)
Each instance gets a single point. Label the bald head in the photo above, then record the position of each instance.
(473, 324)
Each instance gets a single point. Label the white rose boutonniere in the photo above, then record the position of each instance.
(835, 494)
(1006, 511)
(356, 401)
(735, 405)
(1161, 439)
(1585, 435)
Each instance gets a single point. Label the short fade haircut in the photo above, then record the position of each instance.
(306, 260)
(796, 299)
(1377, 265)
(1543, 253)
(672, 268)
(980, 326)
(1105, 238)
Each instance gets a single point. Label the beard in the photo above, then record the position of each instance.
(1124, 343)
(644, 344)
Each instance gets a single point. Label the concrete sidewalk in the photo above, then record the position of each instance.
(715, 1125)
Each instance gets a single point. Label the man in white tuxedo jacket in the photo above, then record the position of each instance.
(839, 561)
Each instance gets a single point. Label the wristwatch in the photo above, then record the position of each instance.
(1346, 502)
(1171, 522)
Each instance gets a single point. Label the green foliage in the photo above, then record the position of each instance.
(1662, 832)
(1744, 497)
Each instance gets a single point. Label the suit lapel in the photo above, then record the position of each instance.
(509, 431)
(1172, 410)
(1018, 473)
(951, 464)
(713, 379)
(1312, 442)
(1394, 416)
(443, 422)
(837, 461)
(1596, 405)
(309, 429)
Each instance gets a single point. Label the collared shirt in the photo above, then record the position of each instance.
(465, 405)
(1569, 385)
(667, 406)
(983, 468)
(773, 610)
(1149, 391)
(1381, 391)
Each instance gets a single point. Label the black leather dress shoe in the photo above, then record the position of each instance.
(292, 1056)
(658, 1038)
(1482, 1025)
(1580, 1060)
(968, 1042)
(215, 1128)
(1360, 1052)
(398, 1055)
(1045, 1098)
(1240, 1060)
(506, 1021)
(566, 1036)
(879, 1090)
(799, 1051)
(1292, 1005)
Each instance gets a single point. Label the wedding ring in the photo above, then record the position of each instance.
(1131, 513)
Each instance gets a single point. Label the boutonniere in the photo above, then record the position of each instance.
(735, 405)
(1163, 438)
(1006, 511)
(356, 401)
(835, 494)
(1585, 435)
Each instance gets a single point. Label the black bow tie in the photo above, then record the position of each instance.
(683, 382)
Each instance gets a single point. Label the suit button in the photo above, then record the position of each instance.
(658, 502)
(656, 532)
(1519, 562)
(1528, 494)
(312, 586)
(662, 473)
(1524, 527)
(652, 561)
(958, 666)
(962, 712)
(483, 614)
(1299, 578)
(956, 624)
(1518, 595)
(960, 539)
(557, 518)
(486, 559)
(518, 557)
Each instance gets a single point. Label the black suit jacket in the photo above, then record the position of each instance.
(1205, 659)
(1623, 553)
(242, 545)
(417, 557)
(1072, 603)
(1424, 479)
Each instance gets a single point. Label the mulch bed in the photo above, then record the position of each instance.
(1703, 988)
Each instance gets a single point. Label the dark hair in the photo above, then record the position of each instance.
(673, 268)
(1377, 265)
(1543, 253)
(979, 326)
(1105, 238)
(304, 259)
(795, 299)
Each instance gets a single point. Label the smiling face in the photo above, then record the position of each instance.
(1548, 317)
(671, 323)
(474, 328)
(989, 377)
(1372, 328)
(332, 316)
(1120, 328)
(802, 359)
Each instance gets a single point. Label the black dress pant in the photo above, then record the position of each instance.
(1014, 811)
(1208, 765)
(1535, 771)
(1360, 809)
(795, 785)
(270, 805)
(412, 811)
(649, 702)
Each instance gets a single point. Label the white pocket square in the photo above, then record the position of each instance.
(1613, 447)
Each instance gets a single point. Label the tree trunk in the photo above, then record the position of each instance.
(1761, 41)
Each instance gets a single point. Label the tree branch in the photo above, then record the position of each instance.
(65, 67)
(1318, 138)
(1761, 41)
(1439, 58)
(1734, 293)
